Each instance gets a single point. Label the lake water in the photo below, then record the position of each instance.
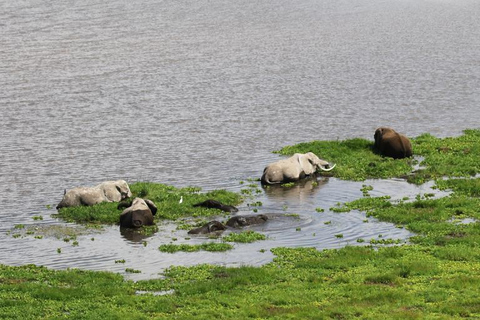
(201, 92)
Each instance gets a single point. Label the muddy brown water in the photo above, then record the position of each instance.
(200, 93)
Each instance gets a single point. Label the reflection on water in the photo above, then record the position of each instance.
(304, 188)
(135, 235)
(196, 93)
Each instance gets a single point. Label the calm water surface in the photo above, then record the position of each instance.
(200, 92)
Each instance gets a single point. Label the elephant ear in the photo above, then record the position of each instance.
(305, 164)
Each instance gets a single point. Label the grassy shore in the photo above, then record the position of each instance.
(436, 276)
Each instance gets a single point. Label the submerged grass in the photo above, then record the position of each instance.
(165, 197)
(357, 160)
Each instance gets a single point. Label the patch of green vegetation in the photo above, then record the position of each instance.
(356, 159)
(165, 197)
(436, 277)
(288, 184)
(130, 270)
(209, 246)
(244, 237)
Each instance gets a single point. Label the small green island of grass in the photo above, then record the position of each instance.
(166, 198)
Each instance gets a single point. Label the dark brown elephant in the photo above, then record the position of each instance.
(210, 203)
(139, 214)
(392, 144)
(242, 221)
(212, 226)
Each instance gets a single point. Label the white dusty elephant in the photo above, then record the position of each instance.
(139, 214)
(294, 168)
(108, 191)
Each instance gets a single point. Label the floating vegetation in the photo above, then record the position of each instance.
(130, 270)
(248, 236)
(165, 197)
(209, 246)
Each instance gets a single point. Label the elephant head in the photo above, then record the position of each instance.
(139, 214)
(392, 144)
(212, 226)
(310, 163)
(115, 190)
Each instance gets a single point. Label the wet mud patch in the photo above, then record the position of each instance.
(55, 231)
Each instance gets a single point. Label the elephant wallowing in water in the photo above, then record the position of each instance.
(392, 144)
(210, 203)
(108, 191)
(139, 214)
(243, 221)
(209, 227)
(294, 168)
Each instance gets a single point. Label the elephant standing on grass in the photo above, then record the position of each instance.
(294, 168)
(139, 214)
(392, 144)
(108, 191)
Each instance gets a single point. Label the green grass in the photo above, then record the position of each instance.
(165, 197)
(356, 159)
(248, 236)
(436, 276)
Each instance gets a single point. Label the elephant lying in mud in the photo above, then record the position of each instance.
(242, 221)
(209, 227)
(108, 191)
(392, 144)
(210, 203)
(234, 222)
(294, 168)
(139, 213)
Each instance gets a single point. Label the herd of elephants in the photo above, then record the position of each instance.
(140, 212)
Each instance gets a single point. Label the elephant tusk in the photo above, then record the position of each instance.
(323, 169)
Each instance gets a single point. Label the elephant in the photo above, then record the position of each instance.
(108, 191)
(392, 144)
(242, 221)
(210, 203)
(139, 214)
(212, 226)
(294, 168)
